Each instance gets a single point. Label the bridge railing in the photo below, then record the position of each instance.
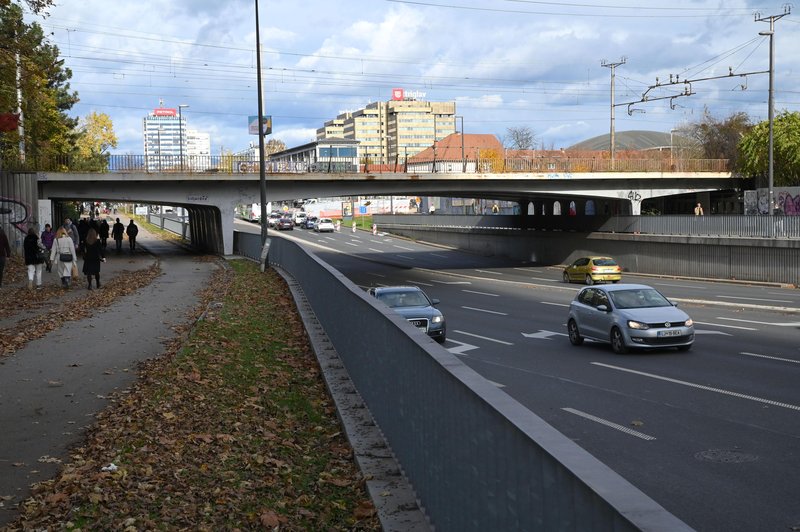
(236, 164)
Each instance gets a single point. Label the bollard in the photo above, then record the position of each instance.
(374, 229)
(354, 226)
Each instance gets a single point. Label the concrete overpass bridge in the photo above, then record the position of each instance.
(211, 196)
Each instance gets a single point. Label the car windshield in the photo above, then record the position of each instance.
(403, 299)
(604, 262)
(638, 298)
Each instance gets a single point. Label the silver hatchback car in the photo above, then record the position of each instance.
(628, 316)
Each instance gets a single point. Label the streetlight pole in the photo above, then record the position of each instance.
(262, 178)
(463, 160)
(159, 148)
(180, 130)
(771, 103)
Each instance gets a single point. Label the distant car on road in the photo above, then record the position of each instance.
(299, 218)
(628, 316)
(284, 224)
(591, 270)
(310, 221)
(273, 218)
(415, 306)
(323, 225)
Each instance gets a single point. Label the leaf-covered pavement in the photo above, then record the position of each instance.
(230, 429)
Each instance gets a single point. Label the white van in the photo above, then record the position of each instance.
(299, 218)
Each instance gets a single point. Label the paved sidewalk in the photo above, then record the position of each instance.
(51, 388)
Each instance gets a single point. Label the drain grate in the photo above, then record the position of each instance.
(725, 456)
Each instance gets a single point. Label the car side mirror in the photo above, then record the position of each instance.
(603, 308)
(434, 302)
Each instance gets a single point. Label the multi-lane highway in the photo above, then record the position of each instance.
(713, 434)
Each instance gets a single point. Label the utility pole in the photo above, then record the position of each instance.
(262, 176)
(612, 66)
(771, 33)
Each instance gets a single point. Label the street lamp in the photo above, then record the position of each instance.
(463, 160)
(180, 130)
(262, 176)
(160, 129)
(671, 147)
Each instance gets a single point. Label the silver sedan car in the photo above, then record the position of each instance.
(415, 306)
(628, 316)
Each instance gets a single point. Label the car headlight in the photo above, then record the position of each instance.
(637, 325)
(437, 319)
(689, 322)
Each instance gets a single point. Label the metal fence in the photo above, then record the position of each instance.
(476, 458)
(237, 164)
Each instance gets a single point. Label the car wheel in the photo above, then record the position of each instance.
(575, 337)
(618, 342)
(441, 339)
(566, 277)
(589, 280)
(684, 347)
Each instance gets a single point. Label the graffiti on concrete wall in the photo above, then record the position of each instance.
(15, 213)
(787, 201)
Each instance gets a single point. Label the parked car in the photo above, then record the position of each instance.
(284, 223)
(323, 225)
(310, 221)
(415, 306)
(628, 316)
(591, 270)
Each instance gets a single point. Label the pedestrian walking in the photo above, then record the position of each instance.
(5, 252)
(132, 230)
(63, 255)
(34, 258)
(47, 238)
(117, 232)
(103, 233)
(93, 255)
(83, 230)
(72, 231)
(698, 210)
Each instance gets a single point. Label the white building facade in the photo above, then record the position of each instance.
(169, 146)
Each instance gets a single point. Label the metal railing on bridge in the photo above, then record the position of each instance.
(236, 164)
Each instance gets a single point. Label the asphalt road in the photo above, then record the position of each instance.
(713, 434)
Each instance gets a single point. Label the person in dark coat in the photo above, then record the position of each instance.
(93, 255)
(34, 258)
(5, 252)
(132, 230)
(48, 236)
(103, 233)
(83, 230)
(118, 232)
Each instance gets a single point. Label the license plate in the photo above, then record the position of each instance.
(669, 333)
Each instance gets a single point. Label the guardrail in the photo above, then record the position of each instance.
(236, 164)
(476, 458)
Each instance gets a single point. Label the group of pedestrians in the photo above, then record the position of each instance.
(62, 248)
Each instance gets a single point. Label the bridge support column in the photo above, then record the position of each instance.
(227, 216)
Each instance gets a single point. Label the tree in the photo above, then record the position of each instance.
(520, 138)
(719, 139)
(37, 6)
(44, 84)
(95, 135)
(274, 146)
(754, 148)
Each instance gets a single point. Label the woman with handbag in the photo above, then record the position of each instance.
(92, 257)
(63, 255)
(34, 258)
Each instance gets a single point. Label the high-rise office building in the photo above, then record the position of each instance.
(166, 139)
(394, 130)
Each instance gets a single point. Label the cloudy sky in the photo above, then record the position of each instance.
(506, 63)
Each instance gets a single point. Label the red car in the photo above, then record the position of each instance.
(284, 223)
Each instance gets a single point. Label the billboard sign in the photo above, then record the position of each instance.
(266, 125)
(163, 111)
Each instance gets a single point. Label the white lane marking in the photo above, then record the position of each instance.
(781, 359)
(403, 247)
(375, 250)
(486, 311)
(487, 271)
(681, 286)
(419, 282)
(352, 244)
(543, 279)
(439, 255)
(461, 348)
(543, 335)
(497, 384)
(777, 293)
(702, 387)
(758, 299)
(703, 331)
(483, 338)
(725, 326)
(790, 324)
(607, 423)
(404, 257)
(451, 282)
(554, 304)
(376, 275)
(480, 293)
